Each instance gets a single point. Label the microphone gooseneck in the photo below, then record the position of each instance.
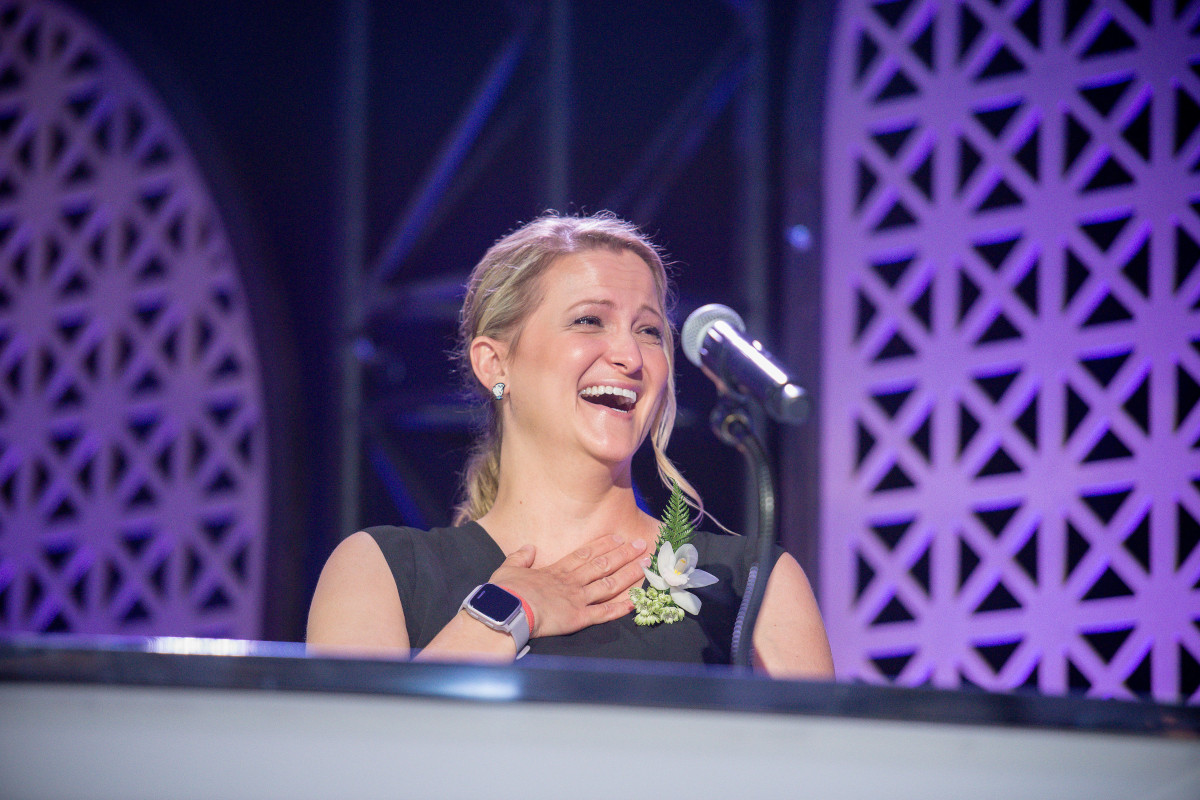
(713, 338)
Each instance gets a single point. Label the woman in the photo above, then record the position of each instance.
(564, 330)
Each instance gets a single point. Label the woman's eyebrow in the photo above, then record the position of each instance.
(610, 304)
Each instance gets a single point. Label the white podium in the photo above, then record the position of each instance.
(223, 719)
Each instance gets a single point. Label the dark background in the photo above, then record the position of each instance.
(679, 116)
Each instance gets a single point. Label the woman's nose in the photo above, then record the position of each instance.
(624, 352)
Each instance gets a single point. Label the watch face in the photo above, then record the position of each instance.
(495, 603)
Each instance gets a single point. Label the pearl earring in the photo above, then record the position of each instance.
(498, 391)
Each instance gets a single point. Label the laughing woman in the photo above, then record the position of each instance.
(564, 330)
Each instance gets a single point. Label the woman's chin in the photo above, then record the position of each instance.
(613, 449)
(611, 454)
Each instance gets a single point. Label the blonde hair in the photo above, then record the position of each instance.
(504, 288)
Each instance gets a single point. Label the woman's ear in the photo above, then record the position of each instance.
(488, 360)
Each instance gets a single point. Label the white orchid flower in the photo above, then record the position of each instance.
(677, 572)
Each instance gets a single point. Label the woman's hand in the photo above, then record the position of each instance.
(584, 588)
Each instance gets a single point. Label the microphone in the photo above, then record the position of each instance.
(714, 340)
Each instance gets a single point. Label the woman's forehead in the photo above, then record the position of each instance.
(603, 273)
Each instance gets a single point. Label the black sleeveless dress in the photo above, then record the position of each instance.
(436, 569)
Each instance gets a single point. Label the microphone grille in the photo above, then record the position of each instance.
(696, 326)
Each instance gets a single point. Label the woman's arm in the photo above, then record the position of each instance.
(789, 638)
(356, 606)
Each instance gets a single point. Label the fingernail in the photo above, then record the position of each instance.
(639, 544)
(646, 561)
(618, 538)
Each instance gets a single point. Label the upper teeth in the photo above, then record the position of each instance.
(593, 391)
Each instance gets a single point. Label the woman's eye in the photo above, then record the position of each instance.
(588, 320)
(653, 333)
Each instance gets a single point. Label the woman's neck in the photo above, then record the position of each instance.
(558, 513)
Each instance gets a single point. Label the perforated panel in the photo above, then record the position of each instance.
(132, 450)
(1012, 357)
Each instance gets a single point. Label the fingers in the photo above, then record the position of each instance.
(613, 609)
(522, 557)
(590, 551)
(610, 586)
(603, 558)
(584, 588)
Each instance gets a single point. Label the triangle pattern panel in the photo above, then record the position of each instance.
(133, 463)
(1022, 377)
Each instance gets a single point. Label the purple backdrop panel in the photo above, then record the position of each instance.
(1011, 448)
(132, 446)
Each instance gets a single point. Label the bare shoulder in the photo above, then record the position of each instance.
(789, 638)
(356, 606)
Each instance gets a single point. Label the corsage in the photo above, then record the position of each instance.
(672, 569)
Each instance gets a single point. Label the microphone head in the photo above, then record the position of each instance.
(696, 326)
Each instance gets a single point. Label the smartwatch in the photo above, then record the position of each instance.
(500, 610)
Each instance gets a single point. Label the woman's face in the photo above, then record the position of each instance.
(590, 370)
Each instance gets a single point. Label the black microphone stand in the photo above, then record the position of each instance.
(733, 424)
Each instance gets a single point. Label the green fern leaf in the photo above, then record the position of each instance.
(676, 526)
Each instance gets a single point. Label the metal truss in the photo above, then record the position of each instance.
(529, 77)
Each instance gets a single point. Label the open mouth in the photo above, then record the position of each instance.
(610, 397)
